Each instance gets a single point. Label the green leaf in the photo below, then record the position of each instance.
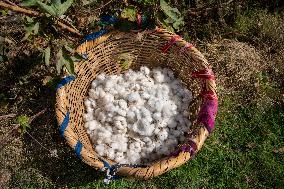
(29, 19)
(23, 121)
(69, 63)
(56, 8)
(76, 57)
(47, 55)
(129, 13)
(63, 59)
(178, 23)
(29, 3)
(64, 6)
(169, 11)
(31, 28)
(48, 9)
(60, 61)
(68, 48)
(174, 16)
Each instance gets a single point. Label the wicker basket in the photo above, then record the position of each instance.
(151, 48)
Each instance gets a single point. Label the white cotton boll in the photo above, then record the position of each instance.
(176, 133)
(187, 122)
(107, 98)
(158, 76)
(93, 94)
(95, 83)
(109, 107)
(100, 149)
(123, 147)
(93, 103)
(94, 125)
(162, 123)
(101, 77)
(172, 123)
(163, 150)
(119, 157)
(118, 125)
(114, 145)
(170, 73)
(122, 104)
(182, 138)
(88, 117)
(135, 147)
(87, 103)
(163, 135)
(121, 112)
(119, 118)
(137, 114)
(147, 140)
(159, 105)
(183, 128)
(110, 153)
(150, 148)
(101, 117)
(167, 110)
(134, 87)
(171, 142)
(157, 116)
(152, 104)
(144, 128)
(133, 97)
(130, 115)
(158, 144)
(148, 118)
(185, 113)
(89, 132)
(157, 130)
(89, 109)
(145, 95)
(133, 157)
(145, 70)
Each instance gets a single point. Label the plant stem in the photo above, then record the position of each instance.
(14, 133)
(37, 14)
(7, 116)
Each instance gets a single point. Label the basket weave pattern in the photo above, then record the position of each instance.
(150, 48)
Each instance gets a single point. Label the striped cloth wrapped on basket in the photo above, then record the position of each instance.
(152, 48)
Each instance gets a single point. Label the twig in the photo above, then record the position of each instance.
(7, 116)
(50, 151)
(11, 3)
(19, 9)
(37, 115)
(37, 14)
(103, 5)
(14, 133)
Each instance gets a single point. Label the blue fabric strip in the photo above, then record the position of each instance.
(78, 149)
(64, 125)
(109, 19)
(106, 164)
(65, 81)
(94, 35)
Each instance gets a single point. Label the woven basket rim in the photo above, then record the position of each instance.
(201, 129)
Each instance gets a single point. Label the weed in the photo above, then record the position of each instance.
(23, 121)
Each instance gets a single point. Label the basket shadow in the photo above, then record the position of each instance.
(43, 138)
(53, 157)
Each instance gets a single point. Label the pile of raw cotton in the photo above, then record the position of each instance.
(138, 116)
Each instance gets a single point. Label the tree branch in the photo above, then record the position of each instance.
(37, 14)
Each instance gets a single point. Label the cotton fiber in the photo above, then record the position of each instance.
(137, 116)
